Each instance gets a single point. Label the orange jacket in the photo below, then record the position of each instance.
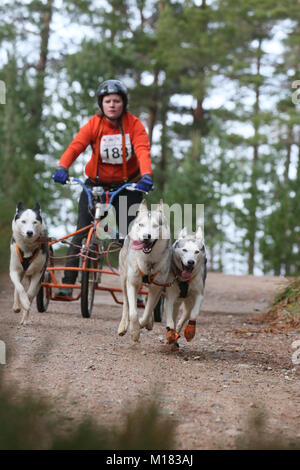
(106, 163)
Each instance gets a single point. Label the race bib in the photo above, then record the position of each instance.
(111, 149)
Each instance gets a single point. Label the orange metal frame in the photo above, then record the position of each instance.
(55, 284)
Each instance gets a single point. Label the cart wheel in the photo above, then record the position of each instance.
(42, 300)
(89, 280)
(159, 309)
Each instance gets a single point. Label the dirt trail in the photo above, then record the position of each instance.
(210, 386)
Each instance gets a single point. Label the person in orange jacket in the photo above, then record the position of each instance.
(120, 153)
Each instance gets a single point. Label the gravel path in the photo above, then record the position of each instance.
(210, 386)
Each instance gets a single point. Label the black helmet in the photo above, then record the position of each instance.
(110, 87)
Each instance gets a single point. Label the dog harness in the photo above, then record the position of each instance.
(147, 278)
(183, 285)
(26, 262)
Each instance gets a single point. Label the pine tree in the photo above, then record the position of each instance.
(254, 22)
(22, 169)
(280, 245)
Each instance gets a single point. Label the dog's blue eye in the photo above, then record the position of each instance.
(23, 222)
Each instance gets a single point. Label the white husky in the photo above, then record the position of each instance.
(145, 256)
(189, 273)
(28, 256)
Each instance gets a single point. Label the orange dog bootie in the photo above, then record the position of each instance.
(190, 330)
(171, 335)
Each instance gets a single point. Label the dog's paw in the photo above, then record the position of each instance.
(24, 320)
(175, 347)
(145, 323)
(135, 334)
(149, 325)
(16, 308)
(122, 330)
(171, 336)
(190, 330)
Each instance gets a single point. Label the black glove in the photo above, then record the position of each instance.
(61, 175)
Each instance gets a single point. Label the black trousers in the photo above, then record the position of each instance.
(125, 204)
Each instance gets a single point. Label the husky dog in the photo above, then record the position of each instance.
(28, 256)
(188, 272)
(144, 257)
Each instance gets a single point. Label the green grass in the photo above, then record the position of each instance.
(290, 294)
(285, 312)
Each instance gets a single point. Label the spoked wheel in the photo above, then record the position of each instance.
(159, 309)
(90, 279)
(44, 294)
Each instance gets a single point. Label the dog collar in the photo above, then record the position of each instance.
(25, 262)
(187, 281)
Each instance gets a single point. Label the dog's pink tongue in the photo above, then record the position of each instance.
(137, 245)
(186, 274)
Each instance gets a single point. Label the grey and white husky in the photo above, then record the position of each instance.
(188, 273)
(145, 256)
(28, 256)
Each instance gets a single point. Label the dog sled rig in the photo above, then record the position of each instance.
(92, 254)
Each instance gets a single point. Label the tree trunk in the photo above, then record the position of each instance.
(164, 149)
(285, 195)
(39, 98)
(297, 200)
(252, 227)
(153, 107)
(41, 66)
(9, 134)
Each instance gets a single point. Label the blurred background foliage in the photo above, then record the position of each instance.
(31, 422)
(213, 82)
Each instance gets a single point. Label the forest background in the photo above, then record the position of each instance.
(217, 85)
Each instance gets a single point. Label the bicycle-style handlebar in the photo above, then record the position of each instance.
(112, 194)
